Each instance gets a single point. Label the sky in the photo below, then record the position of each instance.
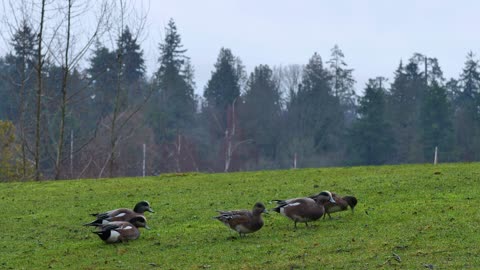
(374, 35)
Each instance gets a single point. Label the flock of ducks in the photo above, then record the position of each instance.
(121, 225)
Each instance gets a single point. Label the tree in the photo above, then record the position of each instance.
(102, 72)
(225, 84)
(315, 117)
(172, 109)
(10, 167)
(174, 103)
(371, 138)
(18, 90)
(467, 116)
(343, 82)
(133, 66)
(404, 103)
(221, 95)
(436, 120)
(67, 58)
(261, 111)
(39, 69)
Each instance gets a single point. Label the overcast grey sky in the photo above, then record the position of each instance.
(374, 35)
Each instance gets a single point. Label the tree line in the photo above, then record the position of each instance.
(58, 121)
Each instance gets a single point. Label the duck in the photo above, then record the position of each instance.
(304, 209)
(121, 214)
(243, 221)
(121, 231)
(138, 221)
(342, 204)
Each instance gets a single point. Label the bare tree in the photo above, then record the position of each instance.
(117, 124)
(39, 68)
(67, 65)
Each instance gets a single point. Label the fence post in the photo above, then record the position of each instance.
(144, 155)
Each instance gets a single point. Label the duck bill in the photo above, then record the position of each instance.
(332, 200)
(150, 210)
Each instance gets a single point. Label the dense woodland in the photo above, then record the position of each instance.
(61, 121)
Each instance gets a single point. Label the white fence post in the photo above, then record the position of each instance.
(71, 154)
(144, 155)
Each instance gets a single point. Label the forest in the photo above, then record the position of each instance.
(61, 119)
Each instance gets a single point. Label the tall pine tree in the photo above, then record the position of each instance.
(343, 83)
(404, 104)
(225, 84)
(173, 105)
(171, 110)
(315, 118)
(102, 72)
(260, 114)
(371, 138)
(436, 121)
(467, 116)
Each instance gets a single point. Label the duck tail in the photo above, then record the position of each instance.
(95, 223)
(277, 209)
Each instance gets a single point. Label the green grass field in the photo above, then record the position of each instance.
(408, 217)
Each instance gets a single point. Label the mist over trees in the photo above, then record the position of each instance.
(59, 120)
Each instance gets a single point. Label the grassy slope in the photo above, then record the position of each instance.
(424, 214)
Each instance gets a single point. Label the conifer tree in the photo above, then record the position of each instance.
(405, 100)
(436, 121)
(260, 114)
(467, 116)
(172, 109)
(342, 82)
(371, 138)
(315, 117)
(133, 64)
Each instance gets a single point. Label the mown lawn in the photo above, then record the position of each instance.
(408, 217)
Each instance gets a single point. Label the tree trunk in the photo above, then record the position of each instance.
(39, 93)
(66, 70)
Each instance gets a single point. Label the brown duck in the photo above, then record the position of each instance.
(341, 204)
(121, 231)
(304, 209)
(243, 221)
(120, 214)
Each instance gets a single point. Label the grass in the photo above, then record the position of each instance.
(408, 217)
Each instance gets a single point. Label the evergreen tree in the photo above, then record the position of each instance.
(173, 107)
(467, 116)
(343, 82)
(133, 64)
(16, 75)
(436, 120)
(103, 74)
(261, 112)
(17, 94)
(371, 138)
(405, 100)
(224, 85)
(220, 111)
(315, 118)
